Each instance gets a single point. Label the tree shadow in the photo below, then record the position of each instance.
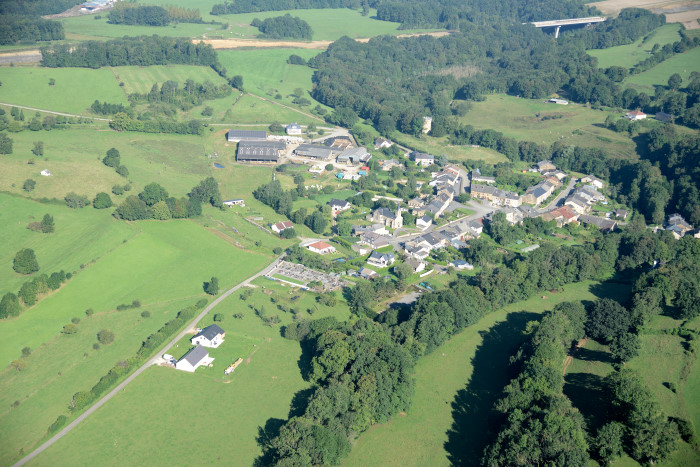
(300, 401)
(589, 355)
(307, 354)
(471, 408)
(265, 435)
(587, 393)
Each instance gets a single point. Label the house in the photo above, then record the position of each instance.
(45, 173)
(592, 180)
(260, 151)
(535, 195)
(622, 214)
(388, 164)
(601, 223)
(280, 227)
(293, 129)
(339, 205)
(544, 166)
(194, 359)
(424, 222)
(234, 202)
(381, 143)
(381, 260)
(678, 225)
(636, 115)
(416, 203)
(422, 159)
(444, 178)
(562, 215)
(432, 241)
(478, 178)
(417, 251)
(388, 218)
(437, 206)
(558, 174)
(554, 100)
(367, 273)
(236, 136)
(578, 204)
(339, 142)
(316, 151)
(415, 264)
(373, 239)
(461, 264)
(322, 248)
(663, 117)
(513, 216)
(211, 336)
(496, 195)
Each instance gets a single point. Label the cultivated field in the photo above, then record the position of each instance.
(89, 28)
(166, 407)
(250, 109)
(456, 386)
(683, 64)
(631, 54)
(676, 11)
(75, 89)
(139, 79)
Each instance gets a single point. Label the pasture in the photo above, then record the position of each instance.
(86, 27)
(631, 54)
(456, 385)
(544, 123)
(251, 109)
(74, 158)
(75, 89)
(191, 413)
(683, 64)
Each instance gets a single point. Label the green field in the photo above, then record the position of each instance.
(138, 79)
(74, 156)
(522, 119)
(456, 386)
(204, 417)
(250, 109)
(683, 64)
(631, 54)
(75, 89)
(89, 28)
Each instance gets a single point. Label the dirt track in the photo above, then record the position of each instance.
(321, 45)
(26, 56)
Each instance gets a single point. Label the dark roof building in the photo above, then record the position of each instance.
(260, 151)
(316, 151)
(235, 136)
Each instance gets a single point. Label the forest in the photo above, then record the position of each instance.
(284, 27)
(15, 28)
(253, 6)
(125, 13)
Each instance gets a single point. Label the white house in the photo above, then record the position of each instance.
(211, 336)
(293, 129)
(381, 260)
(595, 181)
(339, 205)
(461, 264)
(636, 115)
(45, 173)
(194, 359)
(322, 248)
(279, 227)
(424, 222)
(367, 273)
(234, 202)
(380, 143)
(422, 159)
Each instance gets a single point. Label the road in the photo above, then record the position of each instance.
(143, 368)
(563, 194)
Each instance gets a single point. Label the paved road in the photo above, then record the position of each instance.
(143, 368)
(54, 113)
(563, 194)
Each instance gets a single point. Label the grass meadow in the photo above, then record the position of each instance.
(88, 28)
(138, 79)
(250, 109)
(75, 89)
(164, 265)
(638, 51)
(523, 119)
(190, 414)
(74, 158)
(683, 64)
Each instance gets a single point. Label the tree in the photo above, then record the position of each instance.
(607, 445)
(212, 287)
(70, 329)
(47, 224)
(237, 82)
(288, 233)
(9, 305)
(161, 211)
(316, 222)
(102, 201)
(5, 144)
(105, 337)
(38, 149)
(606, 318)
(28, 185)
(675, 81)
(403, 271)
(112, 159)
(123, 171)
(25, 262)
(624, 346)
(76, 201)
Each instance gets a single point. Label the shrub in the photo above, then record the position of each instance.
(89, 312)
(145, 314)
(76, 201)
(19, 364)
(105, 337)
(26, 351)
(70, 329)
(96, 346)
(218, 317)
(58, 424)
(75, 320)
(201, 303)
(25, 262)
(28, 185)
(102, 201)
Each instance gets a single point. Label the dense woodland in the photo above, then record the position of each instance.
(36, 7)
(148, 15)
(252, 6)
(15, 28)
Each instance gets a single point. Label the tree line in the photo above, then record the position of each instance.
(30, 292)
(131, 13)
(253, 6)
(15, 28)
(139, 51)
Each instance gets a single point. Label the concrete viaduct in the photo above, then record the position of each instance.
(558, 23)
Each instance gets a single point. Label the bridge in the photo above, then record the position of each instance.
(558, 23)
